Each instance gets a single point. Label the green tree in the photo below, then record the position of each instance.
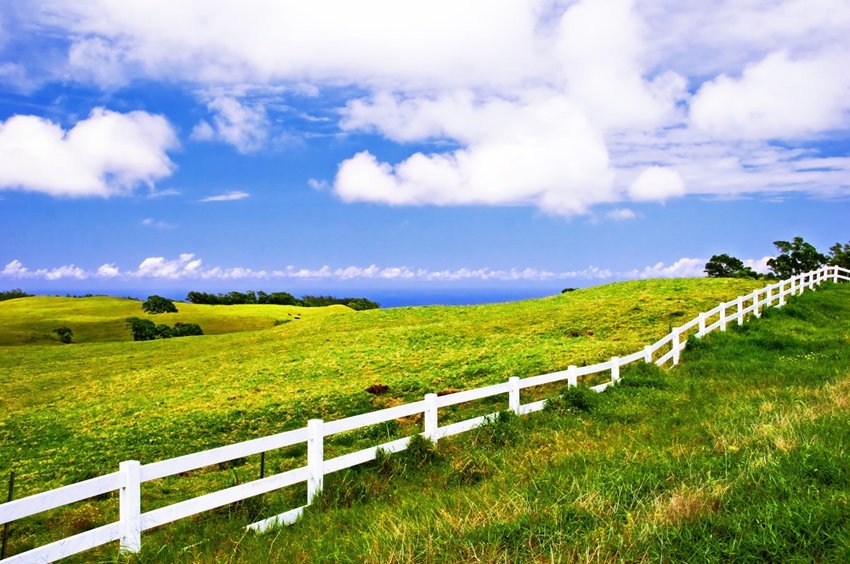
(158, 304)
(840, 255)
(64, 333)
(724, 266)
(187, 329)
(142, 329)
(795, 257)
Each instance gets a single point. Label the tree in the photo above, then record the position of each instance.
(795, 257)
(724, 266)
(142, 329)
(64, 333)
(158, 304)
(187, 329)
(840, 255)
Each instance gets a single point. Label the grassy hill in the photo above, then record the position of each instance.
(742, 453)
(75, 411)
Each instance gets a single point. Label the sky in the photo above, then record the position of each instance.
(378, 146)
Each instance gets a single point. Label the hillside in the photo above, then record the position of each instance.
(741, 453)
(75, 411)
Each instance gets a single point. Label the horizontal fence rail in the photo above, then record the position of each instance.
(131, 474)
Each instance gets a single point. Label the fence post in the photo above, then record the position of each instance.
(615, 369)
(513, 394)
(769, 296)
(835, 275)
(315, 458)
(675, 346)
(572, 379)
(781, 293)
(701, 331)
(756, 303)
(723, 316)
(130, 506)
(740, 310)
(431, 423)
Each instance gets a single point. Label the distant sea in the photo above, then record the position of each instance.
(384, 296)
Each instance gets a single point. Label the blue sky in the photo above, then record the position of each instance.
(333, 146)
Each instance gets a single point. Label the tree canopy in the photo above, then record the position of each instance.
(725, 266)
(840, 255)
(158, 304)
(795, 257)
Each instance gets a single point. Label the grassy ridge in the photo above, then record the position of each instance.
(741, 453)
(72, 412)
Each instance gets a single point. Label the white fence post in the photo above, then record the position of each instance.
(572, 379)
(835, 275)
(615, 368)
(315, 458)
(675, 346)
(781, 293)
(647, 353)
(431, 422)
(756, 304)
(513, 394)
(130, 506)
(769, 296)
(740, 310)
(701, 331)
(723, 316)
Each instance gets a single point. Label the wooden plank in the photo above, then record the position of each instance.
(373, 417)
(67, 546)
(661, 361)
(543, 379)
(532, 407)
(285, 518)
(171, 466)
(30, 505)
(463, 426)
(219, 498)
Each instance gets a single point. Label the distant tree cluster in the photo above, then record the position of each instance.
(12, 294)
(64, 334)
(277, 298)
(158, 304)
(147, 330)
(795, 257)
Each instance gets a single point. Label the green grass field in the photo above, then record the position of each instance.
(683, 454)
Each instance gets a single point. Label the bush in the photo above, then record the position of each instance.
(12, 294)
(64, 333)
(142, 329)
(187, 329)
(573, 399)
(158, 304)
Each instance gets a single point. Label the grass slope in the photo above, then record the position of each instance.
(741, 453)
(27, 321)
(75, 411)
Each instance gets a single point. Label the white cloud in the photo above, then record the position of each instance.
(107, 270)
(318, 185)
(107, 153)
(777, 97)
(227, 196)
(682, 268)
(185, 266)
(621, 214)
(246, 127)
(657, 183)
(759, 265)
(157, 224)
(549, 103)
(15, 269)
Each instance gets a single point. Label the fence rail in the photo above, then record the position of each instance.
(131, 474)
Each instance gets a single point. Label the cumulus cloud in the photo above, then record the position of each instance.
(185, 266)
(15, 269)
(107, 270)
(558, 105)
(107, 153)
(682, 268)
(657, 183)
(227, 196)
(621, 214)
(778, 97)
(246, 127)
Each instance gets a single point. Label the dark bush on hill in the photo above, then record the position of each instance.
(12, 294)
(64, 333)
(147, 330)
(158, 304)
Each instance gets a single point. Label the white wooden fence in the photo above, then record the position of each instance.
(132, 474)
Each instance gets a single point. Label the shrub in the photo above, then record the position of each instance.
(574, 399)
(142, 329)
(12, 294)
(64, 333)
(158, 304)
(187, 329)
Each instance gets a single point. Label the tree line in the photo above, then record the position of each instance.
(277, 298)
(795, 257)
